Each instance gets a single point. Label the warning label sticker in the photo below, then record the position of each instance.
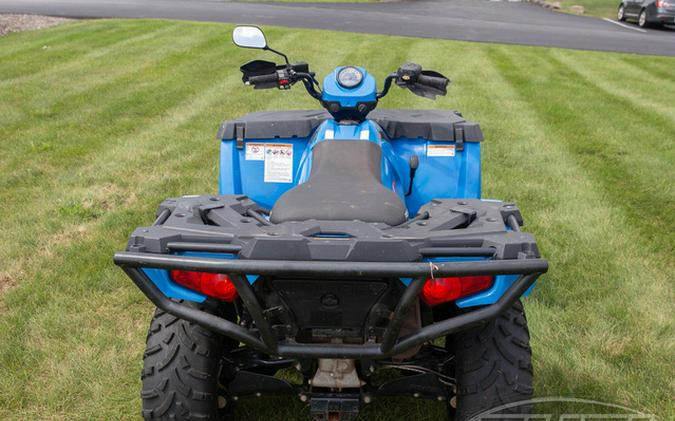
(441, 150)
(278, 163)
(255, 151)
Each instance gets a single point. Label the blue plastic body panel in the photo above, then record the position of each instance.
(440, 176)
(366, 91)
(456, 176)
(241, 176)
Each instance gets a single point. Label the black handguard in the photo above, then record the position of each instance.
(257, 68)
(425, 83)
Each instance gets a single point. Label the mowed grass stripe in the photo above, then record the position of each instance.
(60, 46)
(553, 137)
(89, 244)
(604, 146)
(641, 98)
(143, 185)
(90, 144)
(662, 71)
(116, 100)
(599, 328)
(73, 176)
(84, 90)
(78, 63)
(582, 274)
(626, 71)
(103, 99)
(647, 160)
(30, 42)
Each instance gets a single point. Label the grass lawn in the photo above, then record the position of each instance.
(101, 120)
(601, 8)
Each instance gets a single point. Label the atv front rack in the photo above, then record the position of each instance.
(227, 224)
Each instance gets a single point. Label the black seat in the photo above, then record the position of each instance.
(344, 184)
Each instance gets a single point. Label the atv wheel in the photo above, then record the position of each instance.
(181, 367)
(492, 365)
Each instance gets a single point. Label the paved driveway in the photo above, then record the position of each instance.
(469, 20)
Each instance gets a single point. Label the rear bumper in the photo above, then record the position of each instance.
(666, 17)
(263, 339)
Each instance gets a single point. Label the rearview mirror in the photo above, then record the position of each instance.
(249, 37)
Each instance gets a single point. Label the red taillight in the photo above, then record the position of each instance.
(442, 290)
(660, 4)
(214, 285)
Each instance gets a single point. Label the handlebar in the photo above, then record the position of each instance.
(411, 76)
(284, 79)
(439, 83)
(270, 78)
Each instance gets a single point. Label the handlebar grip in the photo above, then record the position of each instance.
(439, 83)
(270, 78)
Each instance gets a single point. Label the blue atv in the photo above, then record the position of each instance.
(344, 243)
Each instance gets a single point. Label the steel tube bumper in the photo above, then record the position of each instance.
(339, 269)
(391, 344)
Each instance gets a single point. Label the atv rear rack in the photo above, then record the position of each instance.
(474, 229)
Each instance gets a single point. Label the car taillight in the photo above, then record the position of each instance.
(214, 285)
(443, 290)
(660, 4)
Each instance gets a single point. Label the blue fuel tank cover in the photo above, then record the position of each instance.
(364, 91)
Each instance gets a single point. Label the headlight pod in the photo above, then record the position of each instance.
(349, 77)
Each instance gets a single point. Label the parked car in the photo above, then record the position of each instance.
(647, 12)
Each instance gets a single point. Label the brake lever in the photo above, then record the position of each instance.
(387, 85)
(309, 81)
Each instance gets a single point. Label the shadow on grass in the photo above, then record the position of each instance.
(290, 408)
